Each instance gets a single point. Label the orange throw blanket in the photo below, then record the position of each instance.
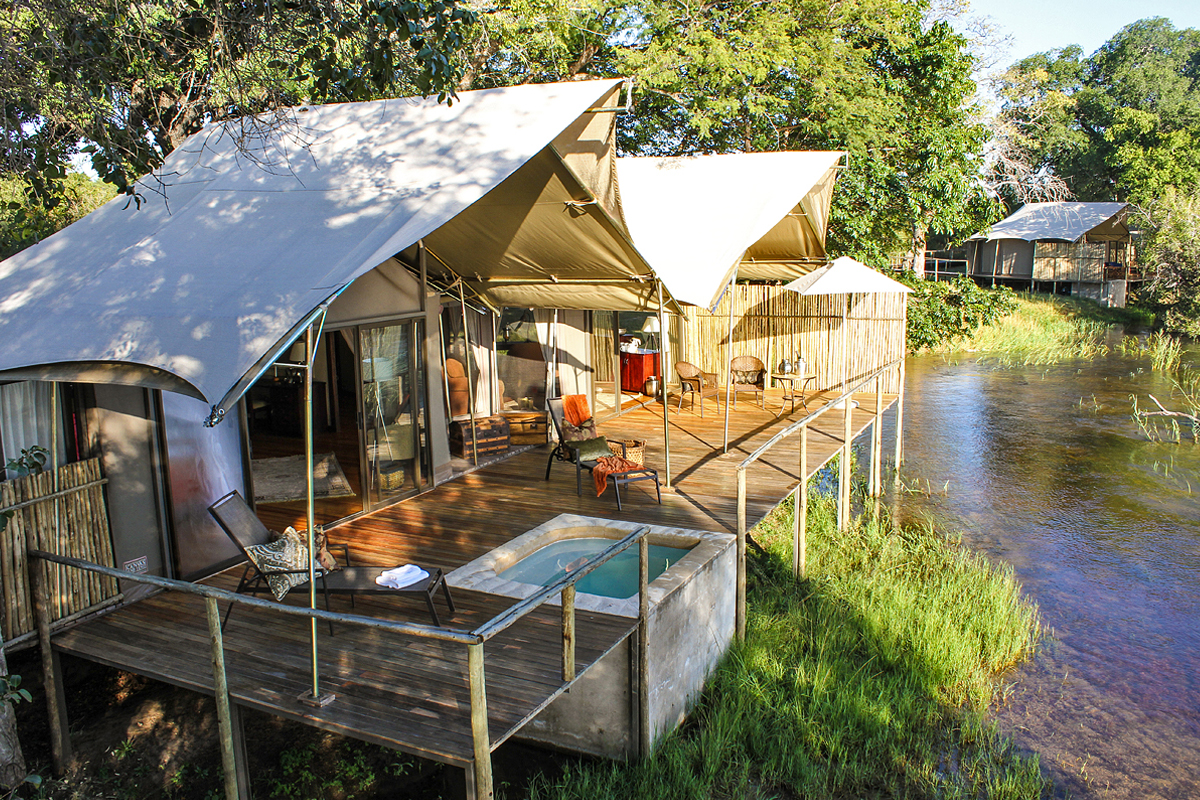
(575, 409)
(611, 465)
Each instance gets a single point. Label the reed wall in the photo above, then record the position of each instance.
(75, 524)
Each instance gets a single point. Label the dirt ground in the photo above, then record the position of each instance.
(140, 739)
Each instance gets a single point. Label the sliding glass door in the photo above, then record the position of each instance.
(394, 417)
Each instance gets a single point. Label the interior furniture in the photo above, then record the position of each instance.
(281, 402)
(694, 382)
(491, 437)
(791, 391)
(459, 388)
(564, 452)
(741, 370)
(246, 530)
(526, 427)
(636, 367)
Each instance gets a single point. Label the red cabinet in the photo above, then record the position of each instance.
(636, 368)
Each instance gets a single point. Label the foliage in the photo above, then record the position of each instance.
(11, 690)
(1046, 329)
(23, 224)
(867, 679)
(1172, 254)
(129, 82)
(944, 313)
(1119, 124)
(30, 462)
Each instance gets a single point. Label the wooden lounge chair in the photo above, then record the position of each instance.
(563, 452)
(694, 382)
(747, 365)
(239, 521)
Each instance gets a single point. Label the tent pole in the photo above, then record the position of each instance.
(552, 367)
(310, 346)
(462, 301)
(663, 350)
(729, 357)
(445, 377)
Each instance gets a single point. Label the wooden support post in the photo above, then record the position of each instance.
(741, 555)
(221, 693)
(899, 422)
(877, 440)
(482, 762)
(239, 750)
(56, 698)
(800, 512)
(844, 472)
(645, 735)
(568, 633)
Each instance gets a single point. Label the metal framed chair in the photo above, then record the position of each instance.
(566, 454)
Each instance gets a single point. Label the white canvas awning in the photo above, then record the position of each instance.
(845, 275)
(1067, 222)
(199, 290)
(695, 219)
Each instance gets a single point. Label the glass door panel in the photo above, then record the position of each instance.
(393, 411)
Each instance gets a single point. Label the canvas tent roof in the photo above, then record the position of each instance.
(696, 218)
(197, 291)
(1057, 221)
(845, 275)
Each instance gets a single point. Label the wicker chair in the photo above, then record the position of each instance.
(746, 364)
(694, 382)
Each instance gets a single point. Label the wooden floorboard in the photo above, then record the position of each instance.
(411, 694)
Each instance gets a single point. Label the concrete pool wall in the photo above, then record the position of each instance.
(691, 623)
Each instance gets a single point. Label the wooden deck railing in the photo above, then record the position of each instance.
(474, 641)
(800, 492)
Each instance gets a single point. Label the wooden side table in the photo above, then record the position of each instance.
(791, 392)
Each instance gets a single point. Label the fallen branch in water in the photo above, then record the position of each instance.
(1165, 412)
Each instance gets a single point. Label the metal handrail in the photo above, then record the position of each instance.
(795, 426)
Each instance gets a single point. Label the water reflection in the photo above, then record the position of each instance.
(1046, 470)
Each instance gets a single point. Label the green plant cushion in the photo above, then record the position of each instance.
(590, 449)
(747, 376)
(582, 432)
(285, 553)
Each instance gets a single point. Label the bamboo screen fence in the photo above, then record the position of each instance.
(73, 524)
(1069, 261)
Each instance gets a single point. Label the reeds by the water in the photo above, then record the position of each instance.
(868, 679)
(1043, 330)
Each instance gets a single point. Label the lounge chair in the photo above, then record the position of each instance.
(247, 531)
(564, 452)
(694, 382)
(748, 374)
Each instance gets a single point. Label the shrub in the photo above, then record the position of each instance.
(943, 312)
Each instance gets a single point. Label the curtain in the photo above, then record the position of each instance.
(25, 419)
(544, 320)
(574, 353)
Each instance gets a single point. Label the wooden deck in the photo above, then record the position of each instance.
(411, 694)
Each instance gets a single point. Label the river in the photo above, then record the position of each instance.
(1042, 467)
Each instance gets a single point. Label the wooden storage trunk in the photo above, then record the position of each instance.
(491, 433)
(526, 427)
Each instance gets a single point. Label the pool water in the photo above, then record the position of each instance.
(617, 577)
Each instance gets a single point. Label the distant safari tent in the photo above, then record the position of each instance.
(1081, 249)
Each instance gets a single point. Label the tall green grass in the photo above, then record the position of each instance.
(867, 679)
(1044, 329)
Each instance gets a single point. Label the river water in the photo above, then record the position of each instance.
(1043, 467)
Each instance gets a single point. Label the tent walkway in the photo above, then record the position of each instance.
(412, 694)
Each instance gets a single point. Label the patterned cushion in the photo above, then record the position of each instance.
(325, 558)
(285, 553)
(750, 377)
(572, 433)
(590, 449)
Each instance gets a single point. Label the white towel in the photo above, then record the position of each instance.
(399, 577)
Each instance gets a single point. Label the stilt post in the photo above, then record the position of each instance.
(221, 693)
(741, 555)
(482, 762)
(800, 512)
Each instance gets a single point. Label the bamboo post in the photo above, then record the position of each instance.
(221, 692)
(462, 300)
(482, 761)
(899, 422)
(844, 471)
(877, 440)
(800, 512)
(645, 738)
(729, 355)
(568, 633)
(741, 555)
(60, 737)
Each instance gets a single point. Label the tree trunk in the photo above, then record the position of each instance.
(12, 760)
(920, 236)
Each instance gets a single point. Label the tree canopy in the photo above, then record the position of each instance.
(1121, 124)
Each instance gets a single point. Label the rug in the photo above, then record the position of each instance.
(281, 480)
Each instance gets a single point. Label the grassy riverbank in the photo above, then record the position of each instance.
(1048, 328)
(865, 680)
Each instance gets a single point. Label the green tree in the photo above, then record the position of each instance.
(1172, 252)
(127, 82)
(1121, 124)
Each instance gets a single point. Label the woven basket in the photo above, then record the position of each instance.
(635, 449)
